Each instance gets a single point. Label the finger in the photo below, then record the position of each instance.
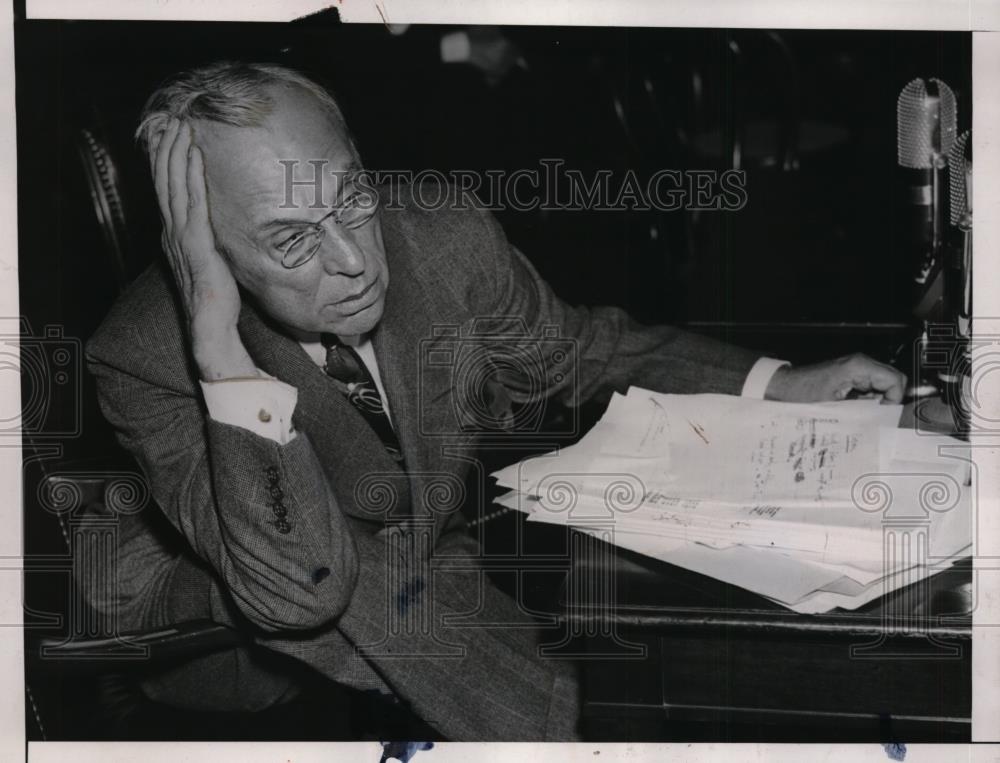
(879, 377)
(176, 263)
(198, 220)
(177, 175)
(160, 172)
(154, 154)
(154, 148)
(196, 188)
(893, 385)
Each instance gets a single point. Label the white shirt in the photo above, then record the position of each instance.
(265, 405)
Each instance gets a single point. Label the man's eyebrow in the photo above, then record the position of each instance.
(352, 169)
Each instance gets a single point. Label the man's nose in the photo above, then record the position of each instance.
(341, 254)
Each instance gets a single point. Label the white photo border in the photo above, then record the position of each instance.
(982, 17)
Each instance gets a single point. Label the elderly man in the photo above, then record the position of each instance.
(267, 378)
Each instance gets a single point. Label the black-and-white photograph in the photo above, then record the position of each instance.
(414, 384)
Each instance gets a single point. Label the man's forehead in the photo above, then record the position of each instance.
(254, 165)
(252, 156)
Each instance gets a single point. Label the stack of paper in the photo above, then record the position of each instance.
(814, 506)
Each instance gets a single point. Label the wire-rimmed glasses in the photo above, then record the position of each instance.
(357, 209)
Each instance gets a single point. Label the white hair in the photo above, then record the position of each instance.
(231, 92)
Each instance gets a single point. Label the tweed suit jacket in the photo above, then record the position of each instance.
(376, 583)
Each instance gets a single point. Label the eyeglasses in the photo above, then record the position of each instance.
(357, 209)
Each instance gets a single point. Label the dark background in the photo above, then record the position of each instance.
(816, 245)
(812, 267)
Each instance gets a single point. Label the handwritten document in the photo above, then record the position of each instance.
(753, 492)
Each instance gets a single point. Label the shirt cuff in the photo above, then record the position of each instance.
(263, 405)
(760, 376)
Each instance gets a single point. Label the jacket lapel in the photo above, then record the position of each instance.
(398, 342)
(350, 452)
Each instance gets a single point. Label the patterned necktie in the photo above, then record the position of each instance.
(346, 368)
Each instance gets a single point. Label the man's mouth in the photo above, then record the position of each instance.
(359, 295)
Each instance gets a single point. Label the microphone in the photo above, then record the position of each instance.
(954, 376)
(925, 134)
(959, 291)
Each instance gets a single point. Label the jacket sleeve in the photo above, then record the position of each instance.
(259, 513)
(605, 350)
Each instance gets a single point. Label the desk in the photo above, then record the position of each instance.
(683, 656)
(669, 654)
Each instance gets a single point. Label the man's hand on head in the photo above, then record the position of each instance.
(836, 380)
(208, 291)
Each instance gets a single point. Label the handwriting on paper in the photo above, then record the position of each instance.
(802, 461)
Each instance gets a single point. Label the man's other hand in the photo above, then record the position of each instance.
(836, 380)
(208, 291)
